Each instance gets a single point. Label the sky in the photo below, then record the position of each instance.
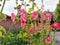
(48, 5)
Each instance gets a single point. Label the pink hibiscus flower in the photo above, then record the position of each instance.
(23, 17)
(51, 27)
(44, 13)
(49, 16)
(48, 40)
(43, 18)
(57, 25)
(22, 11)
(42, 27)
(35, 15)
(31, 30)
(12, 17)
(23, 24)
(37, 28)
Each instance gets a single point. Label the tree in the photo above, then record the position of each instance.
(57, 13)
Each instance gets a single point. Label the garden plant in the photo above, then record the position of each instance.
(35, 27)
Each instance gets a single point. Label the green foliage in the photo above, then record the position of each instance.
(22, 37)
(29, 17)
(17, 37)
(2, 34)
(34, 4)
(30, 10)
(2, 16)
(26, 36)
(2, 28)
(57, 13)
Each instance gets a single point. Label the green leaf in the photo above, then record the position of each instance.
(19, 35)
(29, 17)
(30, 10)
(25, 34)
(3, 29)
(2, 16)
(0, 34)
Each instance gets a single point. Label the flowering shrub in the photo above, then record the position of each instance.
(35, 28)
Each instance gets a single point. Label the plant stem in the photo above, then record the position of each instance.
(3, 6)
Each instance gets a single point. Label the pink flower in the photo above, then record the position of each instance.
(48, 40)
(22, 11)
(49, 16)
(23, 24)
(23, 17)
(43, 18)
(37, 28)
(57, 25)
(43, 27)
(35, 15)
(51, 27)
(12, 17)
(31, 30)
(44, 13)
